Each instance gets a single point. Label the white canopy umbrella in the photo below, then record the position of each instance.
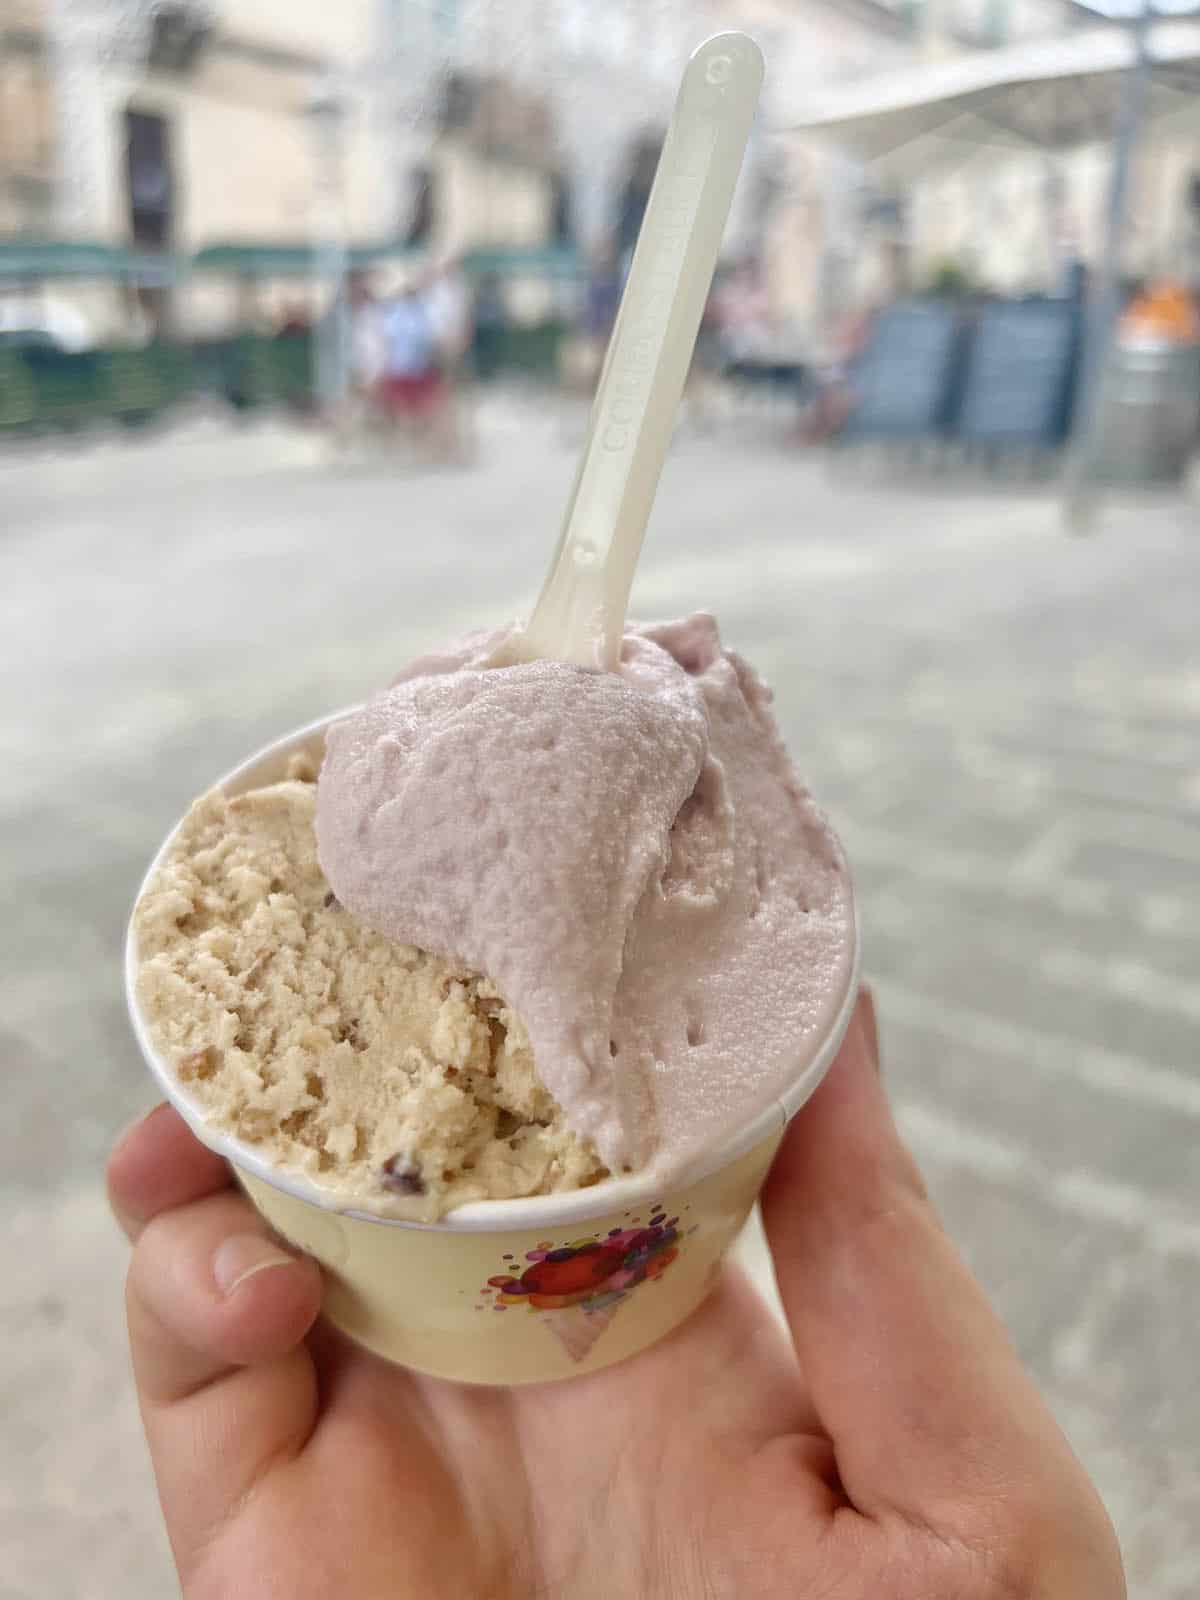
(1052, 95)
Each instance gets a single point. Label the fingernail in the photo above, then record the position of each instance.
(242, 1257)
(870, 1024)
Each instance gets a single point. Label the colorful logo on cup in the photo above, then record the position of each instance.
(579, 1286)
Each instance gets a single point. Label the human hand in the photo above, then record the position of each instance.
(892, 1449)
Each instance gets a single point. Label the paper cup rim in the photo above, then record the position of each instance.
(476, 1216)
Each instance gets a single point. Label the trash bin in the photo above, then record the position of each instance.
(1150, 413)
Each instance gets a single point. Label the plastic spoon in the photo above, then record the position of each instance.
(580, 615)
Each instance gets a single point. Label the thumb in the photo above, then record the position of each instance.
(910, 1371)
(217, 1314)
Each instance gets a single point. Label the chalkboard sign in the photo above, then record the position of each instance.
(1019, 382)
(905, 382)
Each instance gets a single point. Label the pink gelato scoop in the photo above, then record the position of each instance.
(628, 856)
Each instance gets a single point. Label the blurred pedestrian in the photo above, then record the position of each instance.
(708, 362)
(448, 300)
(748, 334)
(489, 325)
(411, 387)
(597, 313)
(747, 329)
(833, 375)
(368, 357)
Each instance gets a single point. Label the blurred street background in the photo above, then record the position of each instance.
(300, 311)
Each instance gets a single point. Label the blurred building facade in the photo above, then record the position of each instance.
(448, 124)
(454, 124)
(178, 126)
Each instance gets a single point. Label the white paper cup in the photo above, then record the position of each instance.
(506, 1291)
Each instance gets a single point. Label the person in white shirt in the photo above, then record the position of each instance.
(411, 387)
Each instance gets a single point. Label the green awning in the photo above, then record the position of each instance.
(534, 263)
(370, 255)
(35, 259)
(28, 260)
(299, 260)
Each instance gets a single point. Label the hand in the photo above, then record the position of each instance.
(893, 1449)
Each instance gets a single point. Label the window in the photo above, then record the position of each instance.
(150, 186)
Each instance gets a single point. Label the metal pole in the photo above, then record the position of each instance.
(1080, 492)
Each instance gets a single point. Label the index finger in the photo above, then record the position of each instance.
(157, 1165)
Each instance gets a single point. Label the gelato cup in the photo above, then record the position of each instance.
(507, 1291)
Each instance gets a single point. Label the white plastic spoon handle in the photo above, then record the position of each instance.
(580, 615)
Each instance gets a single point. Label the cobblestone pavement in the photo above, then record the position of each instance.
(1003, 720)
